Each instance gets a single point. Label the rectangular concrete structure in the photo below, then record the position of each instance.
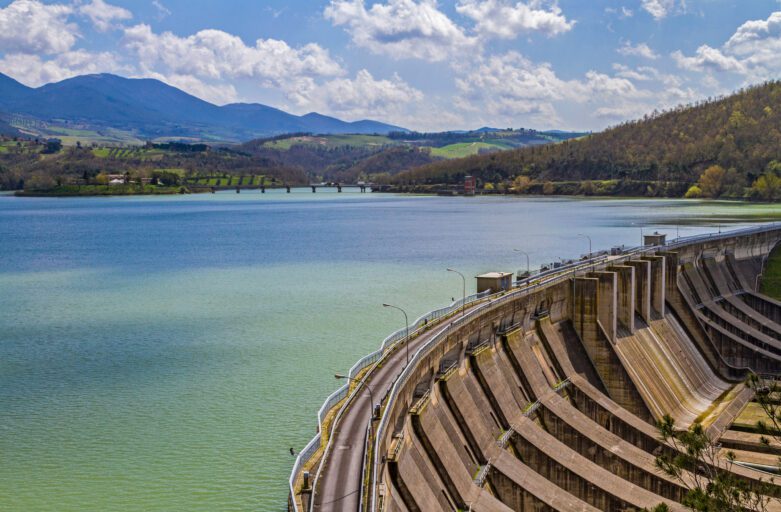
(607, 302)
(658, 268)
(585, 307)
(670, 272)
(642, 287)
(625, 278)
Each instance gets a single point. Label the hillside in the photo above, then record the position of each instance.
(110, 108)
(347, 158)
(31, 165)
(741, 132)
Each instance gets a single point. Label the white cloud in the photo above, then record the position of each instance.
(639, 50)
(215, 54)
(401, 28)
(660, 9)
(103, 15)
(508, 86)
(34, 71)
(363, 96)
(29, 26)
(510, 89)
(162, 10)
(753, 51)
(757, 44)
(622, 12)
(499, 18)
(708, 59)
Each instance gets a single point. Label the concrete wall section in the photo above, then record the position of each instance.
(607, 304)
(625, 280)
(658, 282)
(642, 288)
(585, 310)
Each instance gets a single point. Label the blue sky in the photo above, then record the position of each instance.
(422, 64)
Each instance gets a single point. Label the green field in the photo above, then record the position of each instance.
(104, 190)
(771, 276)
(227, 181)
(463, 149)
(329, 141)
(70, 136)
(124, 153)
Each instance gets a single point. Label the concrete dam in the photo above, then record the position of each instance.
(546, 396)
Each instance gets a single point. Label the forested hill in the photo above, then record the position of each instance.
(740, 132)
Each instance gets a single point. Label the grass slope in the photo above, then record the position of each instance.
(770, 282)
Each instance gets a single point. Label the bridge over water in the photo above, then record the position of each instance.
(545, 397)
(363, 187)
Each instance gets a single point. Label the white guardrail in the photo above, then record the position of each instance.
(541, 280)
(306, 454)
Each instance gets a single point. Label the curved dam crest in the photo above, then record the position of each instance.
(546, 397)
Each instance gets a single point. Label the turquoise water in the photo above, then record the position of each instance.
(165, 353)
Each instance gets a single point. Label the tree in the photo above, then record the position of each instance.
(767, 393)
(52, 146)
(767, 187)
(521, 184)
(587, 188)
(712, 181)
(707, 476)
(694, 192)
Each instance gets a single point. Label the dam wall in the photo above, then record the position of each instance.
(545, 397)
(647, 364)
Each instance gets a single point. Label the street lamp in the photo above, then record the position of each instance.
(528, 273)
(589, 243)
(463, 295)
(360, 383)
(406, 322)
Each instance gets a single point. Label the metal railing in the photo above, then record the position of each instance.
(533, 283)
(312, 447)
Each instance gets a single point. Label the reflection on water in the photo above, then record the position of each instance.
(165, 353)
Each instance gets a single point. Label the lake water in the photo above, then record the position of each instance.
(165, 353)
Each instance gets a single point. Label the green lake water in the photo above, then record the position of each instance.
(161, 354)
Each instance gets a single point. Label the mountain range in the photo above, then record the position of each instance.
(150, 109)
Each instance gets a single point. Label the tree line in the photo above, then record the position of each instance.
(741, 134)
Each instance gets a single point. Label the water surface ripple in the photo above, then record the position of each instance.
(161, 354)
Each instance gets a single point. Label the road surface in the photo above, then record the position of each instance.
(339, 483)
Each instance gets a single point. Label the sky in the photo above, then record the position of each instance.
(423, 64)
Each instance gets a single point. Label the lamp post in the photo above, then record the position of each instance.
(360, 383)
(463, 294)
(528, 273)
(406, 322)
(589, 243)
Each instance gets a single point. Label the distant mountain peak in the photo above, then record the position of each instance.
(150, 108)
